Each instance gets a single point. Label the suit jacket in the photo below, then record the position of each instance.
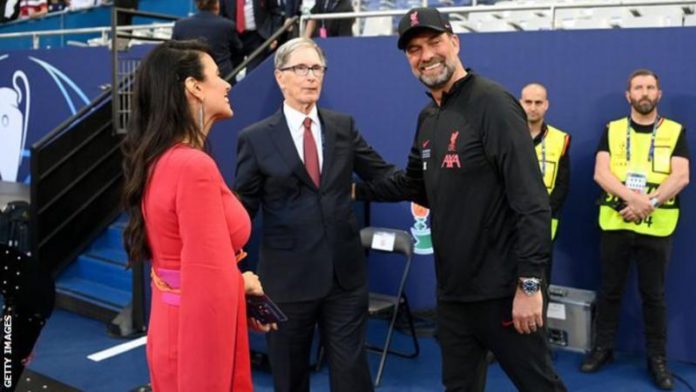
(220, 34)
(268, 16)
(309, 235)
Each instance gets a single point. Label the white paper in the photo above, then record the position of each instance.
(383, 241)
(556, 311)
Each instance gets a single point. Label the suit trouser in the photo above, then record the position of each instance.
(467, 330)
(342, 320)
(651, 255)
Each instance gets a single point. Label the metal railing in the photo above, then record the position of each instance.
(262, 49)
(552, 8)
(105, 32)
(122, 71)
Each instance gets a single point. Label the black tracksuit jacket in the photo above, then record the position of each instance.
(473, 164)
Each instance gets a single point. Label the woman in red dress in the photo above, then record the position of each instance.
(183, 217)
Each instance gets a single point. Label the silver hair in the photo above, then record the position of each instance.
(283, 53)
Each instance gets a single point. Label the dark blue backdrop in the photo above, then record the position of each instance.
(585, 72)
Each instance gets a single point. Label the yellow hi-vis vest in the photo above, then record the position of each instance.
(549, 152)
(663, 221)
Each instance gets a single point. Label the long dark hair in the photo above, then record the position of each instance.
(160, 118)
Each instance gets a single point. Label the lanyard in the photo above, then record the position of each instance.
(543, 156)
(544, 133)
(651, 151)
(327, 4)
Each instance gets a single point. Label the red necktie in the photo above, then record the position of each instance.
(311, 157)
(240, 16)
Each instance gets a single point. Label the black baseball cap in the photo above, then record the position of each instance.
(418, 19)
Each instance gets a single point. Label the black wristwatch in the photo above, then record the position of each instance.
(529, 286)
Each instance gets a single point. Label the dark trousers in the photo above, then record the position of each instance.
(651, 254)
(251, 40)
(467, 330)
(342, 320)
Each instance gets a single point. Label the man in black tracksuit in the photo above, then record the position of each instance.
(473, 164)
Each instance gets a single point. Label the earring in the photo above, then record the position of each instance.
(200, 117)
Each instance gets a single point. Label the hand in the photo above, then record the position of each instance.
(628, 214)
(258, 326)
(640, 205)
(273, 45)
(252, 284)
(526, 311)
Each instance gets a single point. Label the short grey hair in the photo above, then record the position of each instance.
(283, 53)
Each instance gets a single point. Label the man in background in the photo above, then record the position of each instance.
(551, 146)
(219, 33)
(256, 21)
(642, 164)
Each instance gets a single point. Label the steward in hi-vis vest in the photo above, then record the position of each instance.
(648, 167)
(551, 145)
(642, 164)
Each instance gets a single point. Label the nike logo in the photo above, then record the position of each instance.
(426, 143)
(507, 323)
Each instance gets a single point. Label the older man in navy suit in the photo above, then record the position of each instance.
(218, 32)
(297, 166)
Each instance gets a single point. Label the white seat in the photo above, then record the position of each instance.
(650, 21)
(535, 24)
(671, 15)
(690, 20)
(162, 33)
(475, 17)
(585, 24)
(381, 25)
(522, 14)
(460, 26)
(528, 20)
(611, 12)
(493, 25)
(81, 4)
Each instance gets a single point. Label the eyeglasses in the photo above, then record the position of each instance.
(303, 69)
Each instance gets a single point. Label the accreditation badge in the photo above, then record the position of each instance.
(636, 181)
(425, 156)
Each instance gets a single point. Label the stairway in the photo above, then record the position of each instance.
(97, 284)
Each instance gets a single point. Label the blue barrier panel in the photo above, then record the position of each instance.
(39, 89)
(90, 17)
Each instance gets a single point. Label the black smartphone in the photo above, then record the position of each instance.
(264, 310)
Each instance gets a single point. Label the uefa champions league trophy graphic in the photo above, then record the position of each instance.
(420, 230)
(13, 126)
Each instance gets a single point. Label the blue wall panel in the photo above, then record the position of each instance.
(585, 72)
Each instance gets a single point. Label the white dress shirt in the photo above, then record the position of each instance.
(249, 21)
(295, 120)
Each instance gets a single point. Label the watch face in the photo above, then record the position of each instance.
(530, 286)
